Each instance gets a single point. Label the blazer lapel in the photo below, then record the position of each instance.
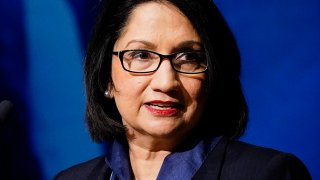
(212, 166)
(100, 171)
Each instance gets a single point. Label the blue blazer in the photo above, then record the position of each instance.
(229, 160)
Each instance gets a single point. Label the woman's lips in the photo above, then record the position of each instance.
(163, 108)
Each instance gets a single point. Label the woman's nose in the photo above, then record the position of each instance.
(165, 79)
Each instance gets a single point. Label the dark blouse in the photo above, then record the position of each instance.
(182, 164)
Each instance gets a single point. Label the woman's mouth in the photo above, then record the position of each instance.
(163, 108)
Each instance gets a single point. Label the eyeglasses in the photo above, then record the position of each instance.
(145, 61)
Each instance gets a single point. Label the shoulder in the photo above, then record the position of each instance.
(237, 151)
(92, 169)
(239, 160)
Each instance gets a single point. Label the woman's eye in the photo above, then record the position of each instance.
(140, 55)
(188, 57)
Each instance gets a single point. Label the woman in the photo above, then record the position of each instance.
(163, 92)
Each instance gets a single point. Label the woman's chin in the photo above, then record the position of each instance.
(163, 132)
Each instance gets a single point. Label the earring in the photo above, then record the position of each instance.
(107, 95)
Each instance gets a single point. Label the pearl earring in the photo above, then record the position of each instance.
(107, 95)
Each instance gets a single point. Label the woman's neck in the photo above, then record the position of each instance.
(148, 152)
(147, 155)
(146, 163)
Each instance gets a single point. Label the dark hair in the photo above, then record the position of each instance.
(226, 110)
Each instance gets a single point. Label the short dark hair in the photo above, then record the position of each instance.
(226, 109)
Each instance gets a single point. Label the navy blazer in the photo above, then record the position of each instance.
(229, 160)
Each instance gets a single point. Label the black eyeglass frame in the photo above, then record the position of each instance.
(162, 57)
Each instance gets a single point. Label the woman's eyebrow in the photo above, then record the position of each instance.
(144, 42)
(190, 44)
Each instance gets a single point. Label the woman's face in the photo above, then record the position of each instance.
(163, 104)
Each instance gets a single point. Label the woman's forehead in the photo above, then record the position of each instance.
(157, 23)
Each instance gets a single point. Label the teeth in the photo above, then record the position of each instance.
(162, 106)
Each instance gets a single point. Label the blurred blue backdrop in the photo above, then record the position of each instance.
(42, 46)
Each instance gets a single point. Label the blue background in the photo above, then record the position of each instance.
(42, 46)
